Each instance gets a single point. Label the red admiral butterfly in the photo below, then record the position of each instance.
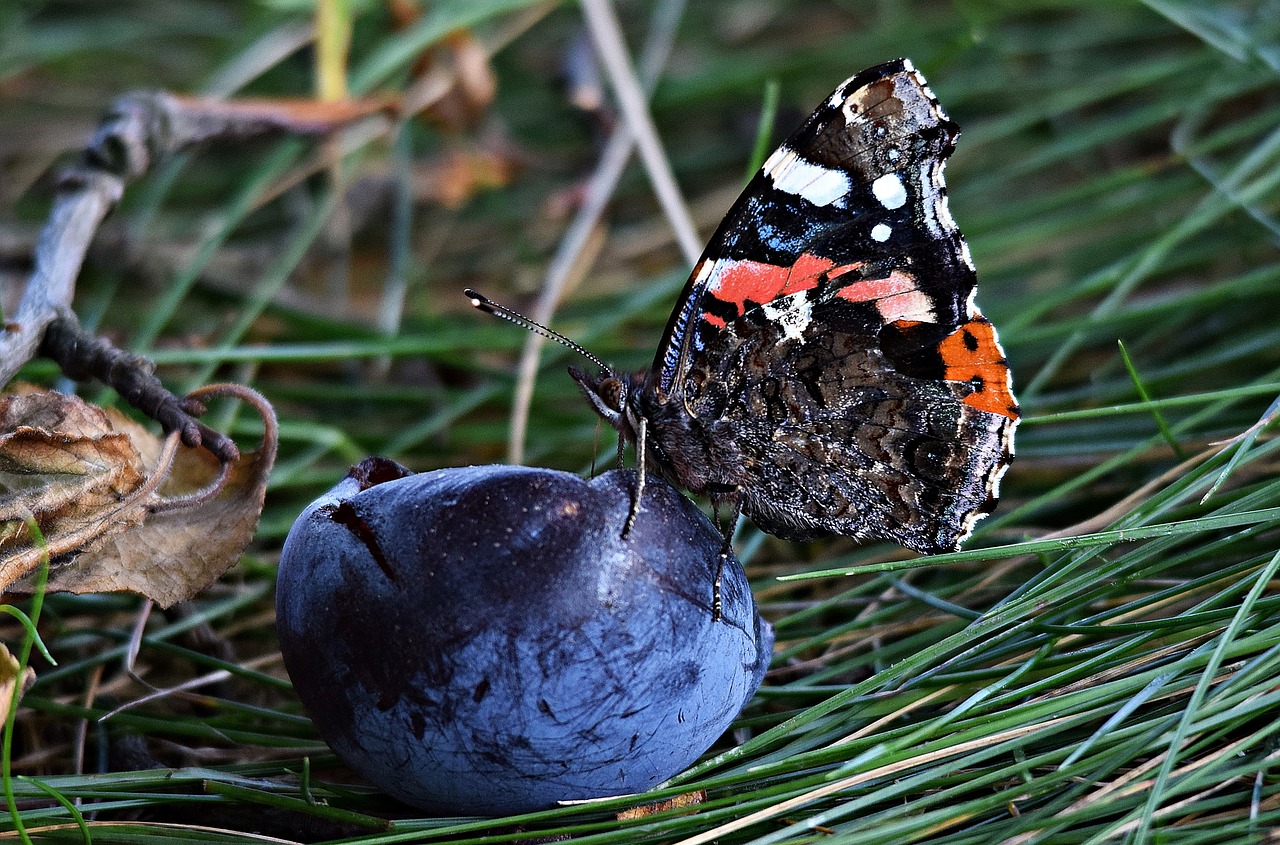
(826, 369)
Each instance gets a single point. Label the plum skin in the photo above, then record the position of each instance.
(482, 640)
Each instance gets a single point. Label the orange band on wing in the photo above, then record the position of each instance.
(971, 353)
(868, 290)
(754, 281)
(896, 297)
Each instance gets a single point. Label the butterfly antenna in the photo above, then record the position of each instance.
(487, 305)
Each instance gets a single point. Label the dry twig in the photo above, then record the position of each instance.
(138, 131)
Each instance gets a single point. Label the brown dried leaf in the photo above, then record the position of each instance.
(252, 116)
(463, 62)
(69, 465)
(477, 82)
(8, 678)
(460, 174)
(684, 801)
(97, 485)
(177, 553)
(465, 104)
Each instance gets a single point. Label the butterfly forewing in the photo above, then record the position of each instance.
(826, 360)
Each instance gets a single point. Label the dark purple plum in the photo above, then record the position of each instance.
(483, 641)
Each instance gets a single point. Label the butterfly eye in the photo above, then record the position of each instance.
(610, 391)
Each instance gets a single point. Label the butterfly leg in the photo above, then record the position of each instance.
(717, 604)
(639, 491)
(622, 450)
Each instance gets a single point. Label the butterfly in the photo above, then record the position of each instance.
(825, 369)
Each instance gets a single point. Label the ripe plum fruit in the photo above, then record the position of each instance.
(482, 640)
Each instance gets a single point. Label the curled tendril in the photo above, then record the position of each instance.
(267, 451)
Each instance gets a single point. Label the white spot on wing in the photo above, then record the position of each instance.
(703, 272)
(793, 313)
(880, 232)
(777, 159)
(819, 185)
(890, 191)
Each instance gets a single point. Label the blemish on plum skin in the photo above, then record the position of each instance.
(481, 690)
(346, 516)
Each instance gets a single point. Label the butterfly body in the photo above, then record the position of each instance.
(826, 369)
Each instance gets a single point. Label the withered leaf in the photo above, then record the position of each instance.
(67, 465)
(460, 174)
(9, 678)
(177, 553)
(684, 801)
(252, 116)
(92, 480)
